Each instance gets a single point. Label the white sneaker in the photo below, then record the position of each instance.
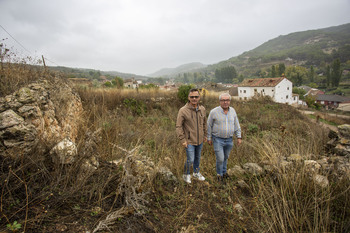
(199, 176)
(187, 178)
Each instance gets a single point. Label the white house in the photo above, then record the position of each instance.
(279, 89)
(131, 83)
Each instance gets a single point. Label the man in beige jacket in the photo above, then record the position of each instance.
(191, 129)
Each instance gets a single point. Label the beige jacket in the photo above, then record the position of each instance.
(191, 124)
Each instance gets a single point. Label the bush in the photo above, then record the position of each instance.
(137, 107)
(183, 91)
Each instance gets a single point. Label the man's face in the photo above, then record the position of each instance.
(225, 102)
(194, 98)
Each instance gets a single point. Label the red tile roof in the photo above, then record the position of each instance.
(261, 82)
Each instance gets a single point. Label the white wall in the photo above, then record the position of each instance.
(283, 92)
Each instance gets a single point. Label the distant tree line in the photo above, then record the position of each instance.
(225, 74)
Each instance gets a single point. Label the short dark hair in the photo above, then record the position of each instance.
(193, 90)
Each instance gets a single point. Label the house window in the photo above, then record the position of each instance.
(263, 90)
(286, 97)
(287, 88)
(244, 91)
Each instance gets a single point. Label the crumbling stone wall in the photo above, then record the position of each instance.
(45, 111)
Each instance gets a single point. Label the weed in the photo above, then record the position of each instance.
(15, 226)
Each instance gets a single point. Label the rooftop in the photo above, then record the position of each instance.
(261, 82)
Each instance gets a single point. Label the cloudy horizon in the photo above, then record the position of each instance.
(142, 37)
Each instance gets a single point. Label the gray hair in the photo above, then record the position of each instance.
(224, 94)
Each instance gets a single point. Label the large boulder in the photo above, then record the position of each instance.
(45, 111)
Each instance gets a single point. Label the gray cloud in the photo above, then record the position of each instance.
(141, 37)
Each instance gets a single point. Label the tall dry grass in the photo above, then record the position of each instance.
(17, 71)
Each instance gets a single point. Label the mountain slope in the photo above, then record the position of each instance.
(299, 48)
(180, 69)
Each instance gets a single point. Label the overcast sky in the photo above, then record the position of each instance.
(143, 36)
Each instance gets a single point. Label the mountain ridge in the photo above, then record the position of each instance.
(179, 69)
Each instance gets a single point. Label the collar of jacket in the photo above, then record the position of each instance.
(189, 105)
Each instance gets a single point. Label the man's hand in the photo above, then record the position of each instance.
(184, 144)
(239, 141)
(210, 142)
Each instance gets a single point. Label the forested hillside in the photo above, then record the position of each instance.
(307, 48)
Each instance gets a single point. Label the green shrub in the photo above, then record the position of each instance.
(253, 128)
(183, 91)
(137, 107)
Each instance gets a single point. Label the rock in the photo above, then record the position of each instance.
(45, 112)
(242, 184)
(344, 131)
(321, 181)
(285, 166)
(236, 171)
(294, 158)
(253, 169)
(344, 141)
(64, 152)
(238, 208)
(166, 175)
(25, 95)
(9, 118)
(332, 134)
(311, 166)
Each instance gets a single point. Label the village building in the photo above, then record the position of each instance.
(333, 101)
(131, 83)
(279, 89)
(314, 92)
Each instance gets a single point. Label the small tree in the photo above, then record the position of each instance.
(300, 91)
(118, 82)
(281, 69)
(183, 92)
(335, 73)
(273, 71)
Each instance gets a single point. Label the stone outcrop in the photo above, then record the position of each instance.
(46, 111)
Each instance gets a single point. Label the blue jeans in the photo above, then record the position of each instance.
(193, 157)
(222, 148)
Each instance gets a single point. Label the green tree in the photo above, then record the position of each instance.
(240, 78)
(186, 80)
(273, 71)
(335, 73)
(108, 84)
(195, 77)
(311, 74)
(300, 91)
(118, 82)
(296, 74)
(281, 69)
(183, 91)
(328, 75)
(225, 74)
